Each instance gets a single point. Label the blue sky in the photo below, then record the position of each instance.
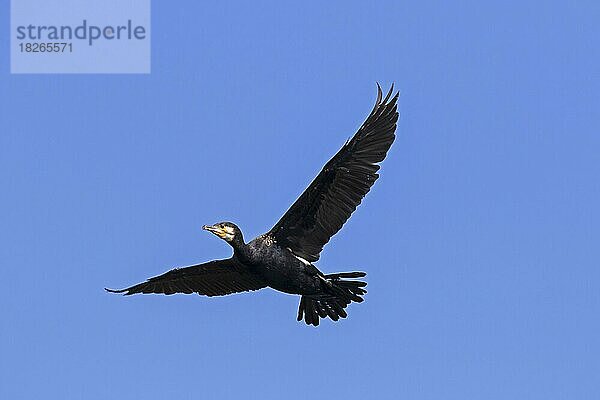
(480, 239)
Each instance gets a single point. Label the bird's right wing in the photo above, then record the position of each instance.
(214, 278)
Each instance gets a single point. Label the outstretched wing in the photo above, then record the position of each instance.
(214, 278)
(332, 197)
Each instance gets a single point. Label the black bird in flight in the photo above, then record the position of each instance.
(283, 257)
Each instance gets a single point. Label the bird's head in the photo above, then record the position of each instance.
(227, 231)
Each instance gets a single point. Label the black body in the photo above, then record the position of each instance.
(278, 267)
(283, 257)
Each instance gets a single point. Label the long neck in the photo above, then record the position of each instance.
(239, 247)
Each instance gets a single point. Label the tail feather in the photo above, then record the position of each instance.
(332, 302)
(320, 310)
(347, 275)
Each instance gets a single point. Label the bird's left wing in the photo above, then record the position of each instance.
(214, 278)
(330, 199)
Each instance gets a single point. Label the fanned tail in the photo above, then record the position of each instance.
(332, 303)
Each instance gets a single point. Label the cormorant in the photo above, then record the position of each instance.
(283, 257)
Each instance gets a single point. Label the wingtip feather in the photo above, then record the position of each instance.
(389, 93)
(115, 290)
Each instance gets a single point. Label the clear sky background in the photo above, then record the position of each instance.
(480, 239)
